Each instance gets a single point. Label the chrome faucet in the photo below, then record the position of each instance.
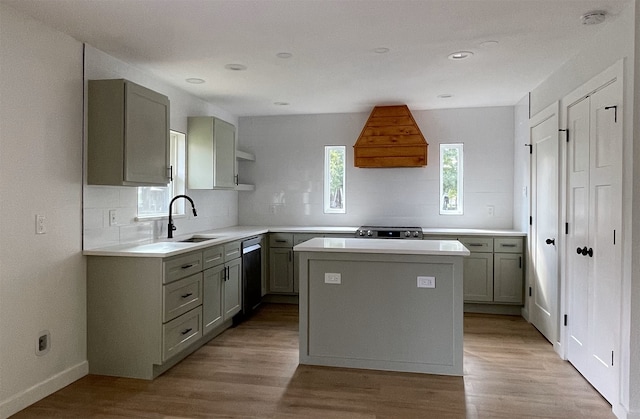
(171, 226)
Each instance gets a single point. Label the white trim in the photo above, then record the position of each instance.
(41, 390)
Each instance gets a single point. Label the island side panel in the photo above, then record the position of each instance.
(377, 317)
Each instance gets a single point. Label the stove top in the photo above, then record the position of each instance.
(383, 232)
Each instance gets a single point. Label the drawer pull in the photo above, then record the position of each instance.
(187, 295)
(184, 332)
(476, 244)
(280, 241)
(186, 266)
(508, 245)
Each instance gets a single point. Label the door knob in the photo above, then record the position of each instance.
(551, 241)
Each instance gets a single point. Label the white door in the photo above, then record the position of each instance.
(544, 230)
(595, 217)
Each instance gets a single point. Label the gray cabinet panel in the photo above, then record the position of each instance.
(211, 153)
(128, 135)
(233, 289)
(507, 279)
(212, 315)
(478, 277)
(280, 270)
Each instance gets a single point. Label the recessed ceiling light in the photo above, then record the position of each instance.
(593, 18)
(281, 103)
(445, 96)
(284, 55)
(460, 55)
(194, 80)
(381, 50)
(489, 44)
(236, 67)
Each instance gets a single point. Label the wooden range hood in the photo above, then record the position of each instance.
(390, 138)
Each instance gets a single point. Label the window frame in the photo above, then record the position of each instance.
(460, 180)
(327, 180)
(178, 162)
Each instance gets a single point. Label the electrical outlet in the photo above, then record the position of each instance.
(113, 217)
(332, 278)
(41, 227)
(43, 343)
(490, 210)
(426, 282)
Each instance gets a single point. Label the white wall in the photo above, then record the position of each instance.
(42, 277)
(614, 42)
(289, 167)
(216, 209)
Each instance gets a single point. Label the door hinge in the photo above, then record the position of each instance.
(529, 291)
(530, 148)
(615, 115)
(565, 319)
(566, 228)
(567, 131)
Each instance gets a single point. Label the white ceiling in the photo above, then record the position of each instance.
(334, 67)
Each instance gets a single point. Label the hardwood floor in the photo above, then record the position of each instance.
(252, 371)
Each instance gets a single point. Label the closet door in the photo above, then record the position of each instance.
(593, 251)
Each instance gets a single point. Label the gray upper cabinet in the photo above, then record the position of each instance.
(128, 135)
(211, 153)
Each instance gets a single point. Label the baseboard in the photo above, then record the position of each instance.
(622, 413)
(510, 310)
(41, 390)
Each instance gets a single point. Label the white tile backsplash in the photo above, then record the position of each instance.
(289, 167)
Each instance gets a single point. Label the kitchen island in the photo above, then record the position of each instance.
(392, 305)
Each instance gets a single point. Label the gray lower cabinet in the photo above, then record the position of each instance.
(283, 263)
(145, 314)
(128, 135)
(493, 272)
(222, 296)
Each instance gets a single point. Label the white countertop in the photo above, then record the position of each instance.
(384, 246)
(172, 247)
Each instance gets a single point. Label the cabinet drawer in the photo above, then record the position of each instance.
(478, 244)
(280, 240)
(231, 251)
(181, 332)
(181, 266)
(212, 256)
(508, 245)
(182, 296)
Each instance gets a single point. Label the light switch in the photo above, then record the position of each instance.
(332, 278)
(426, 282)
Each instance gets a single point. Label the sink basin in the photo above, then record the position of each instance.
(197, 239)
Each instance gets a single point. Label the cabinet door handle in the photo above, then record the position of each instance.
(579, 250)
(590, 252)
(550, 241)
(520, 262)
(170, 169)
(186, 266)
(184, 332)
(187, 295)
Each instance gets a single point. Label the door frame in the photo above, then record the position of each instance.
(545, 114)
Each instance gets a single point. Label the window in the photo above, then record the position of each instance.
(153, 201)
(334, 179)
(451, 181)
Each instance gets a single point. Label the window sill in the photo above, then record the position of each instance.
(158, 217)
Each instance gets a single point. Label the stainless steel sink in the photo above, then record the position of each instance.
(197, 239)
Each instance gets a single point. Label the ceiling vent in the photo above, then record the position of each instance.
(390, 138)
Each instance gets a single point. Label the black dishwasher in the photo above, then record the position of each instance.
(251, 276)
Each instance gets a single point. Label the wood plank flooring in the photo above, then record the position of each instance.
(252, 371)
